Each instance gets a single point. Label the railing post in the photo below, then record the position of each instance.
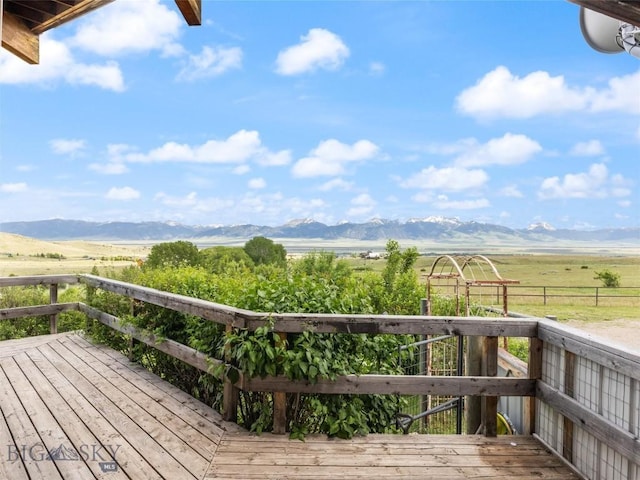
(280, 401)
(53, 318)
(229, 393)
(490, 369)
(474, 369)
(534, 371)
(569, 389)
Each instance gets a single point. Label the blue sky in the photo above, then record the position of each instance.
(497, 112)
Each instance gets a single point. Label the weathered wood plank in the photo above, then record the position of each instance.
(129, 460)
(11, 466)
(534, 372)
(198, 415)
(396, 385)
(36, 311)
(24, 433)
(19, 40)
(38, 280)
(143, 440)
(206, 414)
(201, 308)
(615, 437)
(177, 350)
(88, 449)
(199, 442)
(9, 348)
(321, 323)
(154, 422)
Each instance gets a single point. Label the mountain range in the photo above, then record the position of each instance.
(429, 228)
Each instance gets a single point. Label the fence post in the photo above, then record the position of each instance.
(597, 291)
(534, 371)
(53, 318)
(230, 393)
(490, 369)
(280, 400)
(544, 294)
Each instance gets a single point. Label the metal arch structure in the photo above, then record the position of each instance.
(467, 271)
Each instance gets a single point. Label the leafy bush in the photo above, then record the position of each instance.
(608, 278)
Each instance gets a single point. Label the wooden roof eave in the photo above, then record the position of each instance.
(624, 10)
(71, 13)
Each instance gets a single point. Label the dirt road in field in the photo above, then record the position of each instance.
(625, 332)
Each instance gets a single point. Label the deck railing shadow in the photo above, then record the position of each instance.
(580, 396)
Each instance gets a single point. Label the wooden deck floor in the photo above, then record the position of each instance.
(74, 410)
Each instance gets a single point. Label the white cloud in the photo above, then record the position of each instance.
(443, 203)
(241, 169)
(511, 191)
(125, 27)
(502, 94)
(508, 150)
(58, 64)
(211, 62)
(238, 148)
(63, 146)
(189, 200)
(257, 183)
(110, 168)
(624, 203)
(331, 156)
(447, 179)
(595, 183)
(587, 149)
(25, 168)
(336, 184)
(275, 159)
(124, 193)
(13, 187)
(320, 48)
(361, 205)
(377, 68)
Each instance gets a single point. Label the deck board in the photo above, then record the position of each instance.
(104, 417)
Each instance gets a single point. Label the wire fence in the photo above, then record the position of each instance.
(551, 295)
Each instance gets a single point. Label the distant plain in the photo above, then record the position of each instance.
(534, 266)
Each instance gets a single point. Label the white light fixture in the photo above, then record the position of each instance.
(609, 35)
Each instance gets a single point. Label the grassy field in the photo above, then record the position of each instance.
(535, 273)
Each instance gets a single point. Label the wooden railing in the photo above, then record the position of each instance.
(581, 396)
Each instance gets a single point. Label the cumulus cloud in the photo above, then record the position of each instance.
(447, 179)
(595, 183)
(238, 148)
(318, 49)
(211, 62)
(13, 187)
(508, 150)
(189, 200)
(63, 146)
(362, 204)
(111, 168)
(501, 94)
(588, 149)
(336, 184)
(58, 64)
(257, 183)
(330, 158)
(123, 27)
(443, 203)
(124, 193)
(511, 191)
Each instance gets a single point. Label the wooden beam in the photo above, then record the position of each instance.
(71, 13)
(19, 40)
(191, 11)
